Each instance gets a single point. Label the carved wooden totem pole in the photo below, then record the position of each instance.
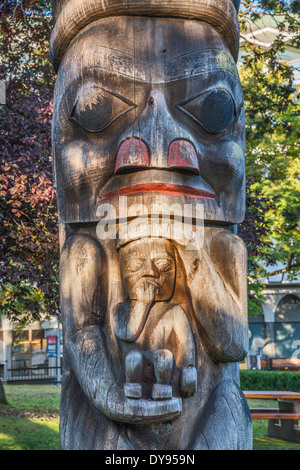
(149, 125)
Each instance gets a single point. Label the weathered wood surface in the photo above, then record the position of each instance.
(284, 420)
(272, 394)
(95, 355)
(275, 416)
(116, 87)
(283, 363)
(149, 121)
(73, 15)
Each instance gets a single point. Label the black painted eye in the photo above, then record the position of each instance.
(95, 108)
(214, 110)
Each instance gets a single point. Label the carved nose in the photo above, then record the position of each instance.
(133, 153)
(150, 270)
(183, 156)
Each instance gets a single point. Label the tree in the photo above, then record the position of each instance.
(28, 218)
(272, 149)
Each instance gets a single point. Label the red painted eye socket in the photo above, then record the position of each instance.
(133, 153)
(183, 156)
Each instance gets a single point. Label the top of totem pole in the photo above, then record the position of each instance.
(71, 16)
(148, 109)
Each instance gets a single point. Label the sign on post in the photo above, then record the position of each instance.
(52, 346)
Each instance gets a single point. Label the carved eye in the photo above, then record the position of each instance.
(164, 265)
(214, 110)
(134, 265)
(95, 108)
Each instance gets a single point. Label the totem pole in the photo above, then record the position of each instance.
(148, 143)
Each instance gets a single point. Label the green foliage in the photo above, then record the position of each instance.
(272, 146)
(22, 300)
(29, 248)
(265, 380)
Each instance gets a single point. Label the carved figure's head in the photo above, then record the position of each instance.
(148, 265)
(148, 101)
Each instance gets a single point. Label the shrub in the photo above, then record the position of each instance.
(270, 380)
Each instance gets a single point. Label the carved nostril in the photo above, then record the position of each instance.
(133, 153)
(151, 101)
(183, 156)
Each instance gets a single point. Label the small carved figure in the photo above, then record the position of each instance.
(150, 320)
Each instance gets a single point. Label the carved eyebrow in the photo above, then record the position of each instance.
(201, 50)
(200, 62)
(119, 63)
(197, 62)
(164, 256)
(168, 77)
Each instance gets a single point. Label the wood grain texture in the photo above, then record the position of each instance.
(74, 15)
(95, 357)
(283, 421)
(272, 394)
(149, 92)
(274, 415)
(148, 108)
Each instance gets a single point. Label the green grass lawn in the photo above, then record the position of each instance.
(260, 426)
(30, 421)
(18, 433)
(33, 398)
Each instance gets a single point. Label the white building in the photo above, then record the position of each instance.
(277, 330)
(32, 354)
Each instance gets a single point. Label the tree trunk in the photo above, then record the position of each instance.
(3, 399)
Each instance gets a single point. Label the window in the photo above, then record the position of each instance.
(288, 309)
(286, 337)
(257, 338)
(29, 349)
(287, 325)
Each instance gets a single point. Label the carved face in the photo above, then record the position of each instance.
(146, 107)
(148, 269)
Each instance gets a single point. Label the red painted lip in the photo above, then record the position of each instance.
(161, 188)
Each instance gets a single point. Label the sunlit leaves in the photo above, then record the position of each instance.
(28, 218)
(272, 150)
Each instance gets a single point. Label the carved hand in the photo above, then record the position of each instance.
(130, 318)
(87, 347)
(92, 366)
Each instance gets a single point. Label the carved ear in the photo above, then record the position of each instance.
(236, 4)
